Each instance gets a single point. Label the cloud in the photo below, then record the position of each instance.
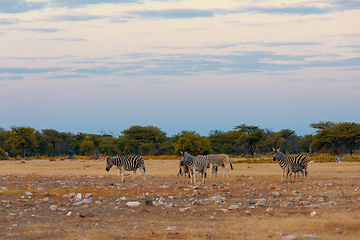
(6, 22)
(12, 78)
(27, 70)
(174, 13)
(66, 39)
(110, 85)
(68, 76)
(77, 3)
(299, 10)
(19, 6)
(281, 44)
(41, 30)
(76, 18)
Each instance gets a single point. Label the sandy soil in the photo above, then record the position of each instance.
(38, 201)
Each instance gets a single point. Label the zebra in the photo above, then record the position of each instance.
(283, 160)
(194, 164)
(183, 168)
(294, 168)
(219, 160)
(130, 163)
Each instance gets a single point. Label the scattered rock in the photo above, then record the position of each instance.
(171, 228)
(289, 237)
(53, 207)
(247, 213)
(234, 207)
(309, 236)
(78, 197)
(313, 213)
(184, 209)
(133, 204)
(269, 209)
(217, 198)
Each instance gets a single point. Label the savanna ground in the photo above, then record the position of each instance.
(37, 202)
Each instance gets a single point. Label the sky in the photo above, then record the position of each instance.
(97, 66)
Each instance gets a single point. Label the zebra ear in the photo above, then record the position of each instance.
(274, 149)
(181, 153)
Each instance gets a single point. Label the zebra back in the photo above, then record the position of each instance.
(283, 159)
(219, 160)
(198, 162)
(130, 163)
(201, 163)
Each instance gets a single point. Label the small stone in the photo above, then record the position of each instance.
(309, 236)
(184, 209)
(289, 237)
(78, 197)
(53, 207)
(269, 209)
(212, 218)
(313, 213)
(234, 207)
(247, 213)
(171, 228)
(28, 193)
(69, 214)
(133, 204)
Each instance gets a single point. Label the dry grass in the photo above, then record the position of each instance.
(111, 219)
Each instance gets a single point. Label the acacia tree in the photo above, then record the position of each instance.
(24, 138)
(192, 143)
(336, 138)
(251, 136)
(286, 140)
(144, 140)
(52, 138)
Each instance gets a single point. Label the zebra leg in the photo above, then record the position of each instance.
(122, 174)
(211, 169)
(204, 175)
(194, 180)
(307, 171)
(227, 171)
(282, 177)
(134, 175)
(143, 170)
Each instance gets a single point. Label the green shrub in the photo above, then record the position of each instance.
(3, 154)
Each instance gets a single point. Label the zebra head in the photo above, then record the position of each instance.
(183, 158)
(276, 154)
(109, 163)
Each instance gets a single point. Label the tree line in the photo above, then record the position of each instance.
(243, 140)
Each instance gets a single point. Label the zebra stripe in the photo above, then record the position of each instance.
(194, 164)
(283, 160)
(131, 163)
(294, 168)
(219, 160)
(183, 168)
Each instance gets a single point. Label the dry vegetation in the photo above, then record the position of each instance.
(27, 190)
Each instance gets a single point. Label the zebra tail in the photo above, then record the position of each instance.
(231, 164)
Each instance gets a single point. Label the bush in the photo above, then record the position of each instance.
(3, 155)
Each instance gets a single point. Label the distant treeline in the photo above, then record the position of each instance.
(243, 140)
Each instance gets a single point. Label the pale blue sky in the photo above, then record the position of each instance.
(92, 65)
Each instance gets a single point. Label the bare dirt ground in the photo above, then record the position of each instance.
(40, 199)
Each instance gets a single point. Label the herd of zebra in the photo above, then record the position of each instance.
(190, 165)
